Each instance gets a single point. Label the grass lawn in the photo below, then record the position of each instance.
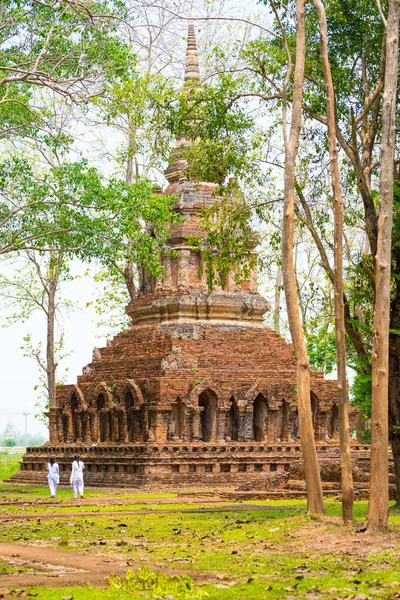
(242, 554)
(9, 464)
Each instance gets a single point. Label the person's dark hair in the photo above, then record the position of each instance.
(76, 457)
(52, 460)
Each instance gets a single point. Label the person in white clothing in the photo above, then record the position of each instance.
(53, 476)
(76, 479)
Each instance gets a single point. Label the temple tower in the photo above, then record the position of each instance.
(181, 295)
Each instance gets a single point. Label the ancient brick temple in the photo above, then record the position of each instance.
(198, 389)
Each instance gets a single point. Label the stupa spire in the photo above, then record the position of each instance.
(192, 70)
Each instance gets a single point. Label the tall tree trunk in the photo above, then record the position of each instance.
(128, 271)
(50, 350)
(311, 470)
(379, 482)
(394, 367)
(394, 378)
(345, 452)
(277, 304)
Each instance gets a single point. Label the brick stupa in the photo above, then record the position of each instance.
(198, 390)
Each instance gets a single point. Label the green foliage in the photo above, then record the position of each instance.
(111, 298)
(9, 464)
(219, 133)
(69, 206)
(74, 49)
(229, 243)
(136, 105)
(321, 346)
(178, 586)
(9, 443)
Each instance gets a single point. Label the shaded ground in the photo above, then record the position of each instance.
(204, 546)
(51, 568)
(7, 518)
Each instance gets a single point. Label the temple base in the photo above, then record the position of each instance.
(247, 465)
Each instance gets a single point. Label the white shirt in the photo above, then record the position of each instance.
(53, 472)
(77, 471)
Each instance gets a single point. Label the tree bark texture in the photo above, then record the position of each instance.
(394, 376)
(50, 351)
(379, 482)
(277, 303)
(343, 402)
(311, 470)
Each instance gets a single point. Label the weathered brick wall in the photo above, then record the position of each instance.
(162, 365)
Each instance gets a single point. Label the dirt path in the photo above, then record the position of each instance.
(141, 511)
(323, 538)
(104, 500)
(72, 568)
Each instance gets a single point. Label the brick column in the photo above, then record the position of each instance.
(196, 430)
(221, 425)
(96, 428)
(167, 276)
(183, 269)
(77, 430)
(124, 432)
(272, 424)
(70, 435)
(85, 417)
(253, 284)
(138, 431)
(60, 433)
(248, 424)
(115, 426)
(186, 437)
(141, 276)
(242, 424)
(107, 417)
(159, 422)
(53, 429)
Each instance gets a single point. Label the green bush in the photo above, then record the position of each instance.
(9, 443)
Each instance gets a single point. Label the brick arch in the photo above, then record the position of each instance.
(66, 402)
(102, 389)
(80, 397)
(315, 411)
(260, 387)
(315, 402)
(285, 392)
(213, 387)
(133, 387)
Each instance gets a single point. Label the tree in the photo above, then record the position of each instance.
(77, 214)
(357, 55)
(311, 469)
(9, 442)
(379, 483)
(9, 432)
(345, 453)
(71, 48)
(35, 285)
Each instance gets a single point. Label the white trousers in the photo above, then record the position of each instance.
(53, 486)
(77, 487)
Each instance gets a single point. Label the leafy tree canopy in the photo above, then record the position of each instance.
(72, 48)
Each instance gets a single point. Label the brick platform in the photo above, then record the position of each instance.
(254, 470)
